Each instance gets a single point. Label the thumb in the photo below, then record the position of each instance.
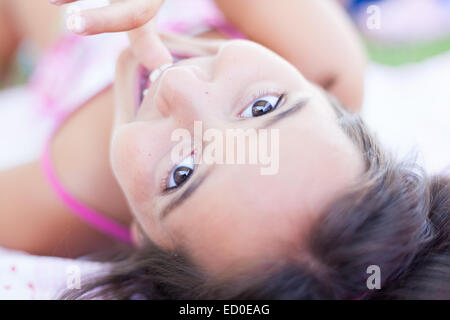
(148, 47)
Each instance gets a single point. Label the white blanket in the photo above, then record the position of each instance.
(24, 276)
(409, 109)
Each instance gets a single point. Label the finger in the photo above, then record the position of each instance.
(186, 46)
(119, 16)
(148, 47)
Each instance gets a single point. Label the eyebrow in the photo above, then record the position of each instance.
(188, 191)
(296, 106)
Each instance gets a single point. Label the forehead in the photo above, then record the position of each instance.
(238, 213)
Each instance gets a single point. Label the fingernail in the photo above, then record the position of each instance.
(72, 10)
(76, 23)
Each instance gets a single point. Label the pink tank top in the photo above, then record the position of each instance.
(77, 68)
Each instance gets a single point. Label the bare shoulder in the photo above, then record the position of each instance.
(34, 219)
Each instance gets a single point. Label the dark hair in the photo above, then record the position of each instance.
(395, 217)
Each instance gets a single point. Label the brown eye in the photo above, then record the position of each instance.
(261, 107)
(181, 173)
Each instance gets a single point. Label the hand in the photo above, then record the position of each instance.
(134, 16)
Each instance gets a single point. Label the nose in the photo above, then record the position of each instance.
(186, 90)
(183, 90)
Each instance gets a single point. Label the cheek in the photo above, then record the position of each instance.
(132, 167)
(232, 224)
(131, 163)
(134, 159)
(321, 167)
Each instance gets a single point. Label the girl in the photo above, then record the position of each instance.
(215, 231)
(76, 158)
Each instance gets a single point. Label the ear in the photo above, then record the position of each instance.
(136, 234)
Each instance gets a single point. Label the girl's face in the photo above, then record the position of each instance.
(228, 214)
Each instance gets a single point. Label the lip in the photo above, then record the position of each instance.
(125, 84)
